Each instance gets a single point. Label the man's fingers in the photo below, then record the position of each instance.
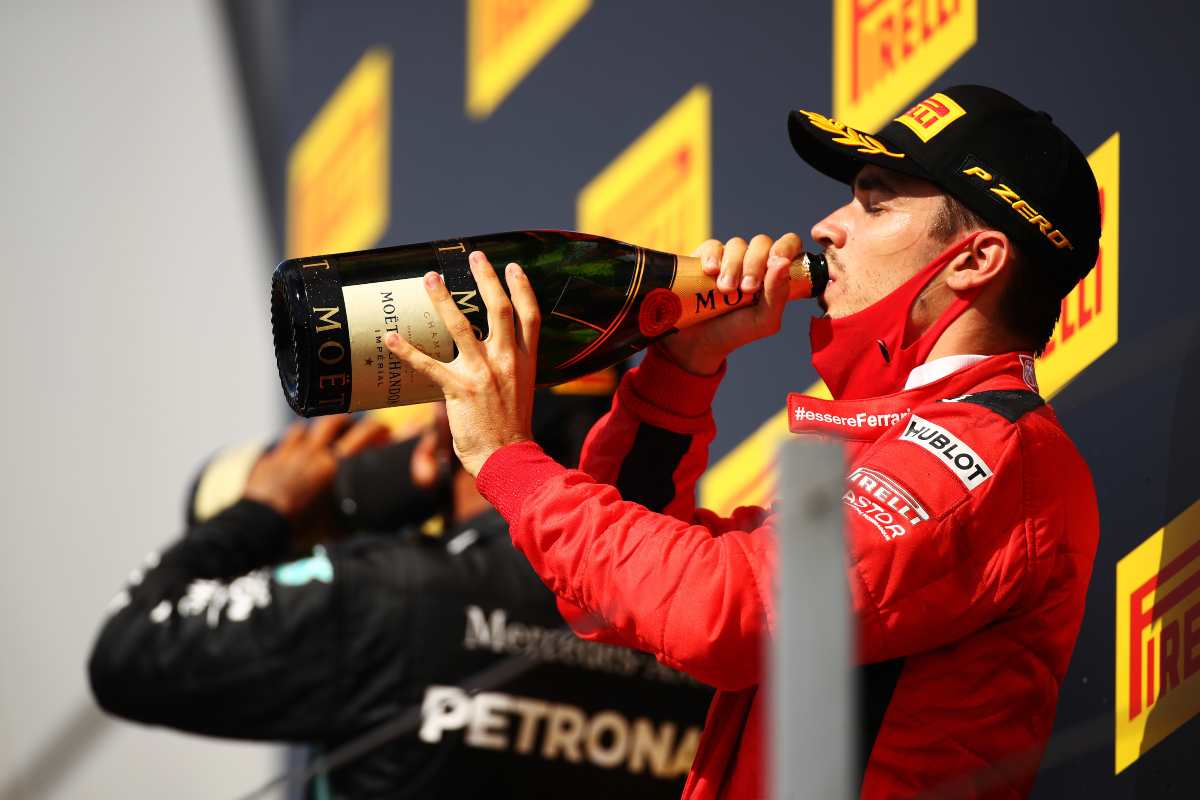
(441, 424)
(775, 284)
(788, 246)
(323, 432)
(423, 467)
(529, 316)
(499, 309)
(362, 435)
(785, 250)
(731, 264)
(776, 287)
(469, 348)
(709, 252)
(292, 436)
(431, 368)
(754, 265)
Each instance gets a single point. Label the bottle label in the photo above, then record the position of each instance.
(699, 296)
(373, 310)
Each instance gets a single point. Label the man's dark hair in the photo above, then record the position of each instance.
(1032, 300)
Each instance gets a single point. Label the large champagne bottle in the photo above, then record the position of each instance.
(601, 301)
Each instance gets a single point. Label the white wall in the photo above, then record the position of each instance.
(135, 329)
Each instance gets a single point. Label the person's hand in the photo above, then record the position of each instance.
(760, 264)
(489, 385)
(295, 477)
(433, 451)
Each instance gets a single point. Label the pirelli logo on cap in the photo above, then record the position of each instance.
(887, 51)
(1158, 638)
(964, 462)
(931, 116)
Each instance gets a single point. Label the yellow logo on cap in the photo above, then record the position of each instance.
(863, 142)
(931, 116)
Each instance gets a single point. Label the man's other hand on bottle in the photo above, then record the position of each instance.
(761, 264)
(489, 385)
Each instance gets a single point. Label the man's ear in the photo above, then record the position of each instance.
(982, 263)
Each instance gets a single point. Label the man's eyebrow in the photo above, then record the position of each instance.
(871, 182)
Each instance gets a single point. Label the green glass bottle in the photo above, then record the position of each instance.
(601, 301)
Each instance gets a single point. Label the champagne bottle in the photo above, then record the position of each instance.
(601, 301)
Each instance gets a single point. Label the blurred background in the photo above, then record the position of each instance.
(160, 158)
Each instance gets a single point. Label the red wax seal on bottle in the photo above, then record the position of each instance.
(660, 311)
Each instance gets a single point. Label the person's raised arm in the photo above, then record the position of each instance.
(653, 446)
(207, 637)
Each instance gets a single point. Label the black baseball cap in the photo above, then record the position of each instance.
(1009, 164)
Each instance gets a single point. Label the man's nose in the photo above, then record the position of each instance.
(828, 233)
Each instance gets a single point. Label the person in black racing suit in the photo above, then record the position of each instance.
(451, 642)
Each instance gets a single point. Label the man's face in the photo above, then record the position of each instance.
(879, 239)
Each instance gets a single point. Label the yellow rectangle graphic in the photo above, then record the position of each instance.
(506, 39)
(746, 476)
(338, 173)
(658, 192)
(1158, 638)
(886, 51)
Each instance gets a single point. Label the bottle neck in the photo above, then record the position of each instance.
(701, 299)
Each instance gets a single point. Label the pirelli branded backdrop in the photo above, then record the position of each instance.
(663, 123)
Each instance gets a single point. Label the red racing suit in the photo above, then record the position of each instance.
(971, 526)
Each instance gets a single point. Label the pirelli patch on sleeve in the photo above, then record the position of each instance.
(884, 502)
(959, 458)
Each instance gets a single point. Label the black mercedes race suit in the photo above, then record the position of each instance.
(217, 637)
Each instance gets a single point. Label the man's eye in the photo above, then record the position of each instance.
(874, 209)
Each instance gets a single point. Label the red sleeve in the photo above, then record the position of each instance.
(653, 443)
(594, 629)
(931, 558)
(699, 602)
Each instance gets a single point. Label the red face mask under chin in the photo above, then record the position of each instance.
(866, 354)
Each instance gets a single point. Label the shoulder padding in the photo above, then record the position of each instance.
(1008, 403)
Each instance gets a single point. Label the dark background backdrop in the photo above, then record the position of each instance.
(1099, 67)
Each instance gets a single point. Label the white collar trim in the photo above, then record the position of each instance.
(939, 368)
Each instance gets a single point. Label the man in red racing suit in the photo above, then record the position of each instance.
(971, 520)
(958, 592)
